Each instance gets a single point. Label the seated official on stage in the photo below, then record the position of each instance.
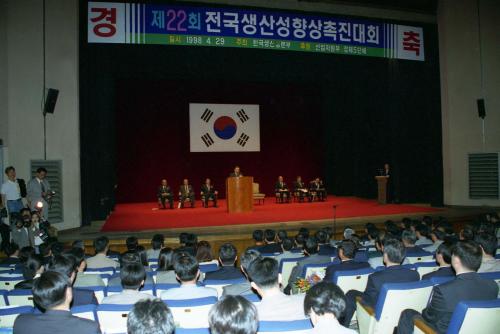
(208, 193)
(186, 193)
(281, 190)
(300, 190)
(165, 194)
(317, 190)
(236, 172)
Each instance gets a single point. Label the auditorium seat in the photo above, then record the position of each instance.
(424, 268)
(352, 279)
(8, 314)
(417, 259)
(191, 313)
(361, 256)
(219, 284)
(108, 270)
(8, 283)
(113, 318)
(192, 331)
(318, 269)
(469, 317)
(294, 326)
(11, 273)
(85, 311)
(208, 267)
(441, 279)
(3, 298)
(164, 287)
(286, 266)
(20, 297)
(99, 291)
(392, 300)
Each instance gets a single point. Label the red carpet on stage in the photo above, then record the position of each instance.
(146, 216)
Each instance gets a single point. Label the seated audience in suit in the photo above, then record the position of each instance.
(324, 304)
(467, 286)
(188, 242)
(83, 278)
(132, 278)
(467, 233)
(311, 250)
(80, 244)
(128, 258)
(275, 305)
(45, 252)
(394, 253)
(271, 246)
(165, 273)
(141, 251)
(131, 243)
(443, 259)
(12, 251)
(286, 246)
(52, 292)
(299, 239)
(281, 235)
(371, 235)
(243, 288)
(32, 269)
(409, 238)
(66, 265)
(346, 251)
(100, 260)
(150, 317)
(437, 237)
(324, 244)
(422, 232)
(204, 253)
(258, 237)
(187, 272)
(57, 248)
(157, 243)
(233, 315)
(227, 258)
(488, 244)
(24, 254)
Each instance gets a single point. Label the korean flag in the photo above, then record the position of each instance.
(224, 127)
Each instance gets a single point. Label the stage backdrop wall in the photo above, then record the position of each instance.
(369, 110)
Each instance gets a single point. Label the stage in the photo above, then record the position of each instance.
(143, 217)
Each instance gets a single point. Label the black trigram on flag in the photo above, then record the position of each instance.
(207, 140)
(243, 139)
(207, 114)
(242, 115)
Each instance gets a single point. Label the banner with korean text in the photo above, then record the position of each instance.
(136, 23)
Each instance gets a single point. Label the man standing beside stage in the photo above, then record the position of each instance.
(13, 190)
(236, 172)
(208, 192)
(186, 192)
(165, 194)
(281, 190)
(39, 191)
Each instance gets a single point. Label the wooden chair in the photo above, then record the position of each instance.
(257, 195)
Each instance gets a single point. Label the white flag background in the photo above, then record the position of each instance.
(224, 127)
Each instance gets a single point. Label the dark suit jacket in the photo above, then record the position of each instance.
(270, 248)
(327, 250)
(441, 272)
(393, 274)
(167, 190)
(297, 186)
(343, 266)
(54, 322)
(83, 297)
(183, 192)
(205, 190)
(278, 186)
(446, 296)
(233, 174)
(226, 272)
(416, 251)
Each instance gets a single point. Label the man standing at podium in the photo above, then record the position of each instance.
(236, 172)
(186, 193)
(387, 173)
(165, 194)
(208, 192)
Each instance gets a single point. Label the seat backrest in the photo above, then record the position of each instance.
(8, 283)
(361, 256)
(294, 326)
(396, 297)
(191, 313)
(416, 259)
(426, 267)
(98, 271)
(286, 266)
(352, 279)
(85, 311)
(494, 276)
(206, 268)
(441, 279)
(99, 291)
(113, 318)
(20, 297)
(179, 330)
(475, 317)
(314, 269)
(8, 314)
(255, 188)
(220, 284)
(3, 298)
(164, 287)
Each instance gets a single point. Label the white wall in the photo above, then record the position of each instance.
(23, 20)
(461, 86)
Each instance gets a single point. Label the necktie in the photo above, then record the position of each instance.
(43, 187)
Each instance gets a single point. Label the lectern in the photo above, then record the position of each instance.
(382, 189)
(239, 194)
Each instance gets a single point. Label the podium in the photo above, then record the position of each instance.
(382, 189)
(239, 194)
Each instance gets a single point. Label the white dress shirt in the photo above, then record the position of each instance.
(329, 326)
(188, 291)
(280, 307)
(100, 261)
(11, 190)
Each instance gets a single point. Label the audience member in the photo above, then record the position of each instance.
(19, 233)
(346, 252)
(143, 256)
(100, 260)
(325, 304)
(409, 238)
(83, 279)
(204, 253)
(165, 273)
(233, 315)
(46, 252)
(468, 285)
(488, 244)
(286, 245)
(150, 317)
(157, 243)
(281, 235)
(243, 288)
(32, 269)
(52, 292)
(422, 233)
(12, 251)
(270, 246)
(324, 244)
(188, 243)
(258, 237)
(128, 258)
(437, 237)
(132, 277)
(394, 253)
(187, 272)
(275, 305)
(227, 258)
(443, 258)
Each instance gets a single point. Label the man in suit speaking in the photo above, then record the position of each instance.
(236, 172)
